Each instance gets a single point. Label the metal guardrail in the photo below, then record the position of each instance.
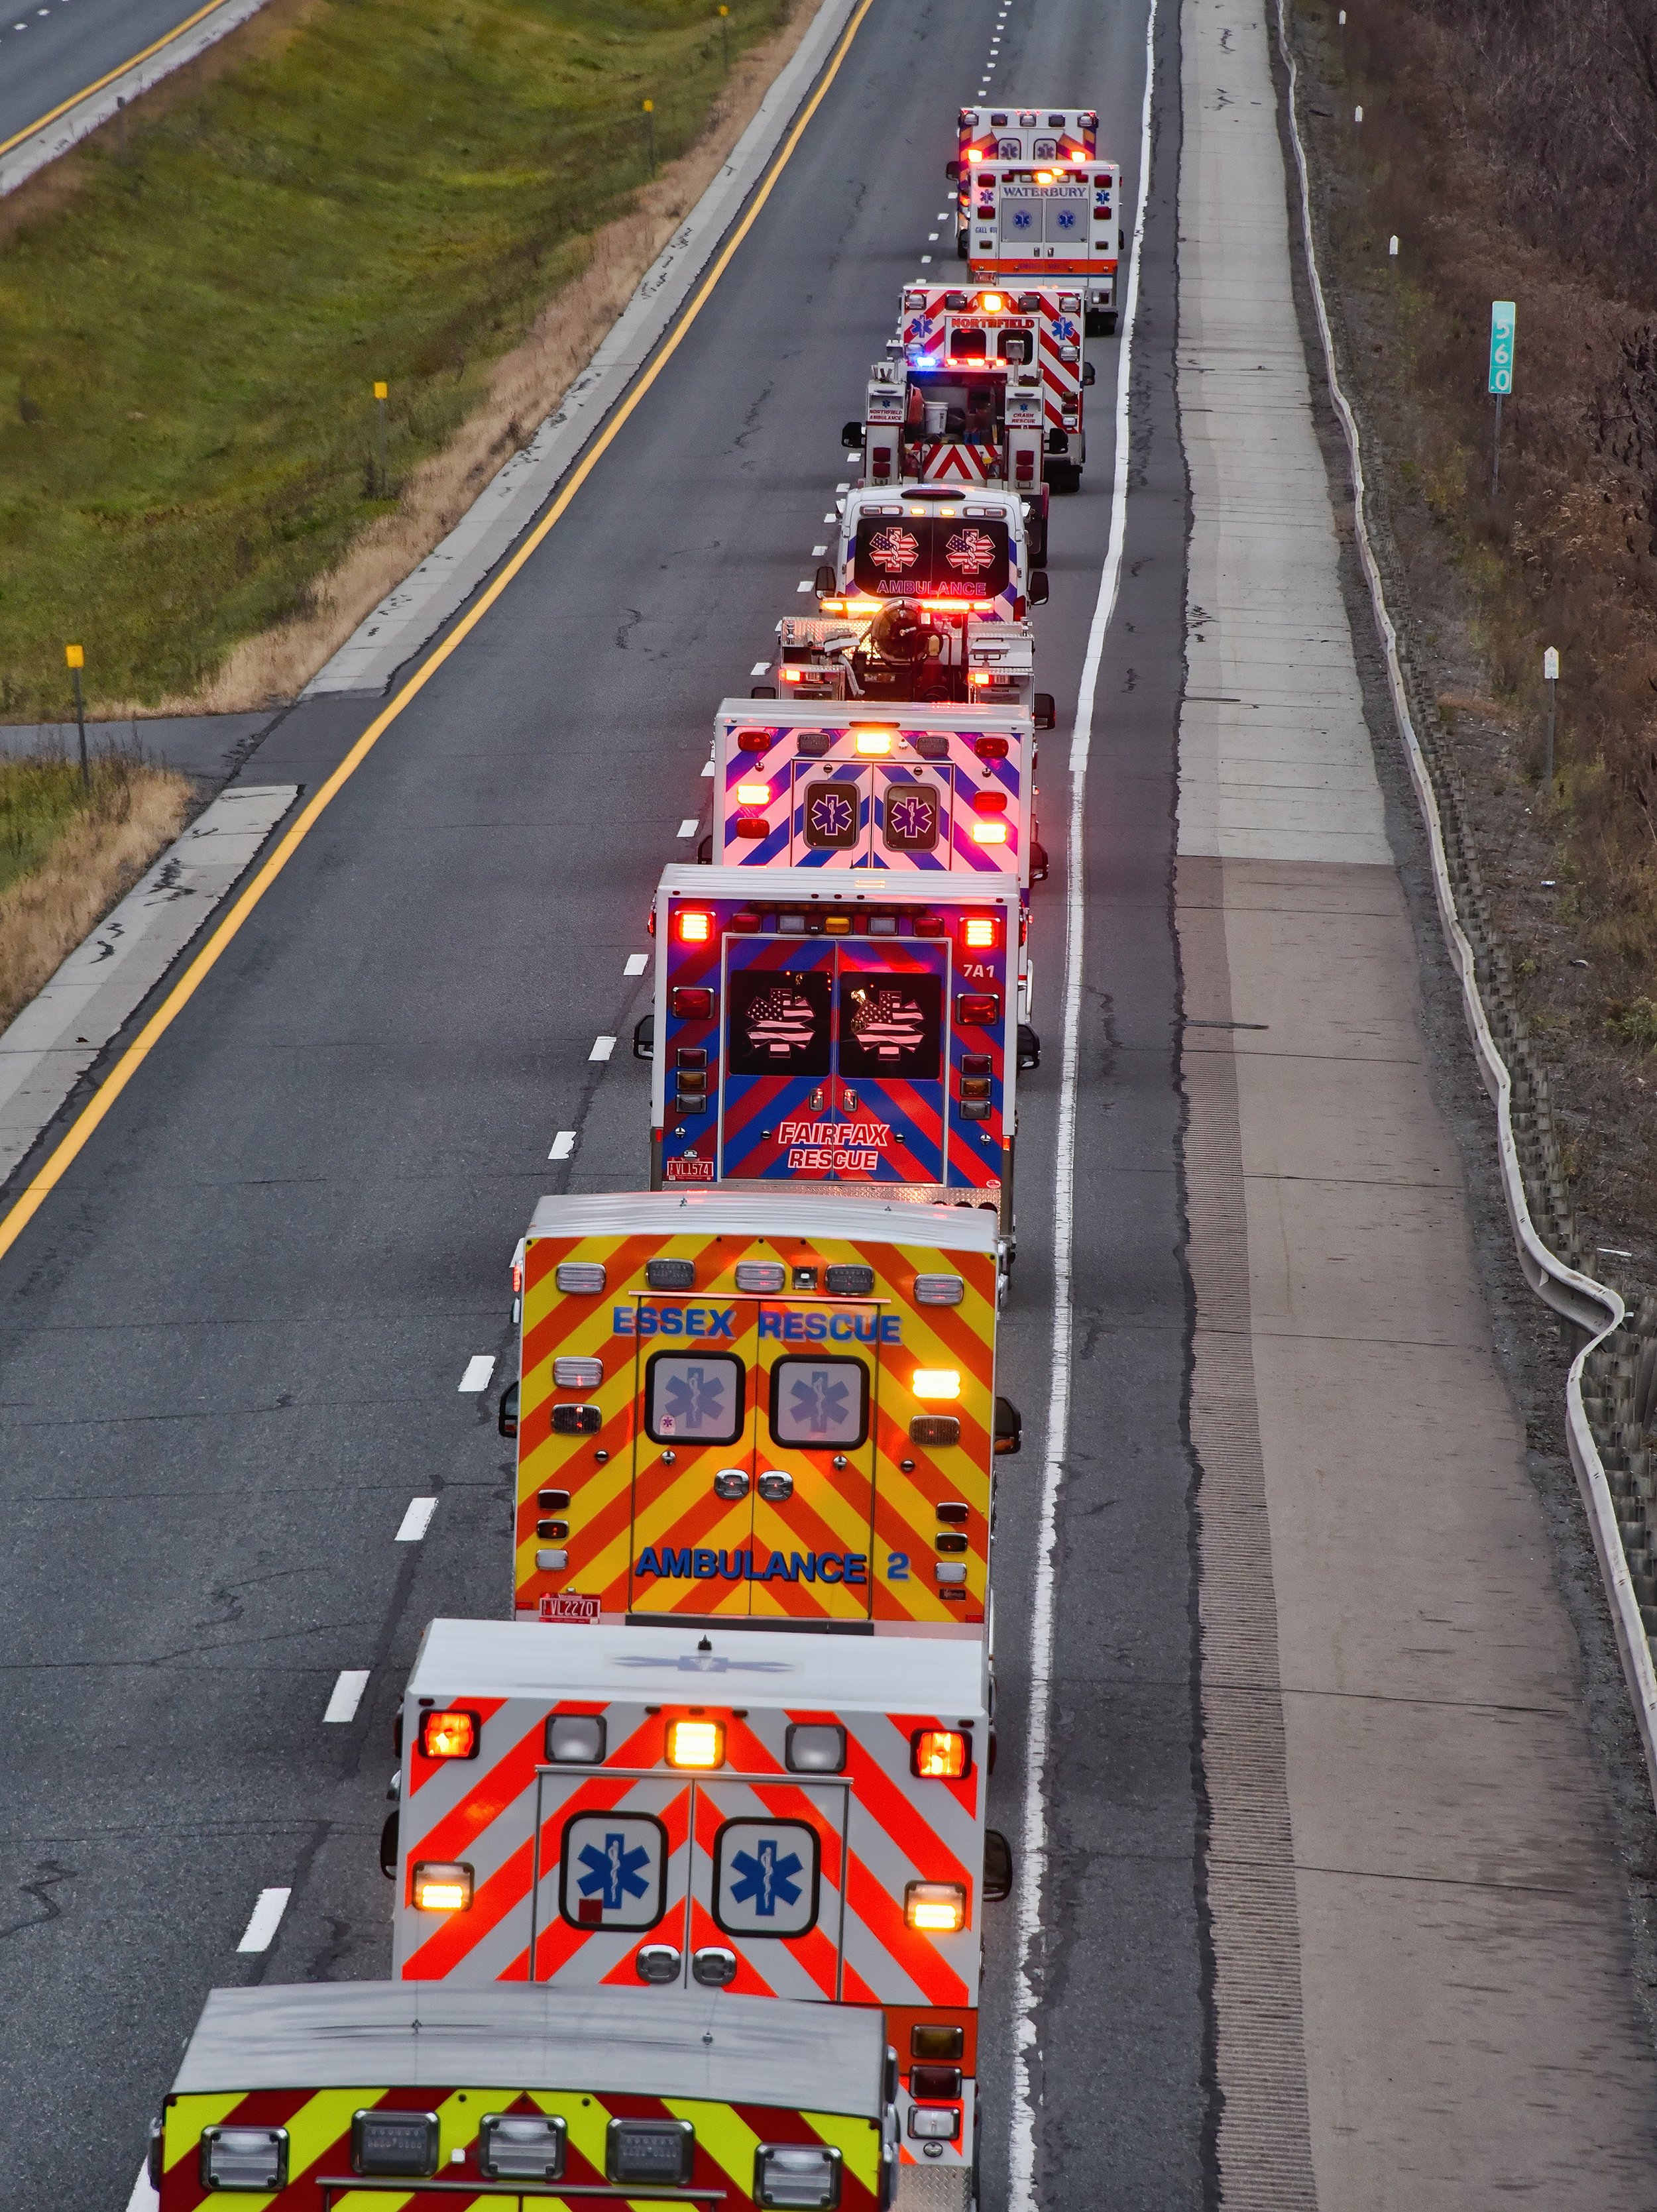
(1596, 1308)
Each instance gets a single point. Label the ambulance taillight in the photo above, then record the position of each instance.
(450, 1735)
(933, 1382)
(695, 926)
(981, 931)
(698, 1745)
(442, 1886)
(803, 2175)
(941, 1754)
(937, 1907)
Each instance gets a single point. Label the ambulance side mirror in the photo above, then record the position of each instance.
(1036, 591)
(1037, 861)
(1029, 1047)
(1010, 1428)
(997, 1867)
(953, 171)
(825, 582)
(851, 436)
(1121, 239)
(1043, 713)
(507, 1419)
(704, 851)
(644, 1038)
(1087, 371)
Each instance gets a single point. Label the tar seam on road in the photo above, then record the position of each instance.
(74, 1142)
(108, 77)
(1021, 2151)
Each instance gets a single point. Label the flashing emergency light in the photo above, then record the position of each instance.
(992, 303)
(988, 833)
(939, 1754)
(939, 1907)
(872, 743)
(696, 926)
(441, 1887)
(980, 675)
(957, 606)
(696, 1744)
(790, 675)
(982, 929)
(989, 747)
(1046, 176)
(517, 1278)
(974, 154)
(450, 1735)
(936, 1382)
(753, 794)
(1078, 161)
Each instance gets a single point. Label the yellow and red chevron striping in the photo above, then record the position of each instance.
(727, 2138)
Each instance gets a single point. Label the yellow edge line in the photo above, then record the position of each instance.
(69, 1150)
(120, 70)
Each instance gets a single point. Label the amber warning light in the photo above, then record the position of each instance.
(449, 1735)
(939, 1754)
(695, 1744)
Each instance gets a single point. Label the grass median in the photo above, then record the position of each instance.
(373, 189)
(67, 853)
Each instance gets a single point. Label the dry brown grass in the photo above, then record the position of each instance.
(526, 387)
(135, 811)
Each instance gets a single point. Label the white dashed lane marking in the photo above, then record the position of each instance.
(563, 1145)
(686, 828)
(636, 963)
(266, 1917)
(416, 1521)
(603, 1047)
(347, 1695)
(479, 1368)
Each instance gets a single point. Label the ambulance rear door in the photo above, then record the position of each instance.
(817, 1384)
(698, 1396)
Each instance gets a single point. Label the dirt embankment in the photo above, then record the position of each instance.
(1513, 152)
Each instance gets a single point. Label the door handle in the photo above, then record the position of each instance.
(658, 1962)
(774, 1488)
(714, 1966)
(731, 1482)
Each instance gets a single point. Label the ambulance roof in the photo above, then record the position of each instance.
(799, 1669)
(781, 1211)
(845, 714)
(667, 2043)
(804, 886)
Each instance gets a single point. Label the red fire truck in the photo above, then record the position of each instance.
(1047, 136)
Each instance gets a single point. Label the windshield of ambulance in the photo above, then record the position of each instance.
(931, 556)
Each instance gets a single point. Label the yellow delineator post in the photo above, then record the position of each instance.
(75, 656)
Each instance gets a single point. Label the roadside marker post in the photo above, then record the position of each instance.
(1357, 124)
(380, 393)
(1503, 318)
(75, 658)
(650, 133)
(1551, 677)
(725, 39)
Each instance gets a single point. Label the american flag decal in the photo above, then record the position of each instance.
(970, 551)
(894, 550)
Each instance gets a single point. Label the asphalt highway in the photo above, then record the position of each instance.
(232, 1339)
(52, 51)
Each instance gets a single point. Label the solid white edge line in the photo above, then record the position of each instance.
(479, 1368)
(347, 1695)
(416, 1521)
(264, 1919)
(1021, 2193)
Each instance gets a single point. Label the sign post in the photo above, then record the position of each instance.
(74, 658)
(1551, 677)
(1504, 316)
(381, 391)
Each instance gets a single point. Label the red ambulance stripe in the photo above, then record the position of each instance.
(883, 1917)
(421, 1769)
(488, 1797)
(884, 1801)
(783, 1804)
(447, 1946)
(854, 1989)
(743, 1750)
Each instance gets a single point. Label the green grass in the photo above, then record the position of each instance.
(187, 348)
(38, 800)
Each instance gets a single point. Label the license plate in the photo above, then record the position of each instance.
(569, 1605)
(683, 1171)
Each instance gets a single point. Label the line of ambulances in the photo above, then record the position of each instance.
(689, 1858)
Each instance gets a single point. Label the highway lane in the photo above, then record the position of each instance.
(52, 51)
(232, 1340)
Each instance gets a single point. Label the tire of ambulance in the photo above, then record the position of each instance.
(960, 246)
(388, 1844)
